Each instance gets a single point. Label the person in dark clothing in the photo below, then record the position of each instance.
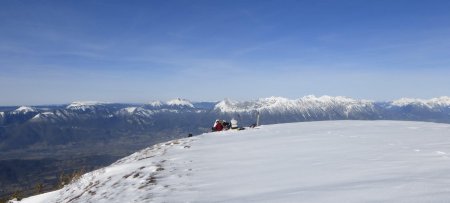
(226, 125)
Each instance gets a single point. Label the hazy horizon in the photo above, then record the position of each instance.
(197, 101)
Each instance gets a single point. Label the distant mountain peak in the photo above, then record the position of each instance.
(439, 101)
(180, 102)
(227, 105)
(42, 115)
(83, 105)
(444, 100)
(327, 99)
(274, 100)
(156, 103)
(130, 110)
(24, 110)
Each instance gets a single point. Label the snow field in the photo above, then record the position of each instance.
(329, 161)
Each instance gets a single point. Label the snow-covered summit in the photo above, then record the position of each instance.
(156, 103)
(434, 102)
(180, 102)
(333, 161)
(83, 105)
(130, 110)
(24, 110)
(171, 103)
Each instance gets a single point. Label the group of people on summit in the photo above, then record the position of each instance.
(220, 125)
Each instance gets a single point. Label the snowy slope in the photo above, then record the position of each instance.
(136, 115)
(330, 161)
(48, 116)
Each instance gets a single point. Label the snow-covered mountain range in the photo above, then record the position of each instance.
(303, 109)
(304, 104)
(196, 117)
(325, 104)
(330, 161)
(306, 108)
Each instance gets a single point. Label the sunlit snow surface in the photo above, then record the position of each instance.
(332, 161)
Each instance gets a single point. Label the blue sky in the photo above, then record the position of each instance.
(138, 51)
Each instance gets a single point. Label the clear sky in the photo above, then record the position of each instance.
(207, 50)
